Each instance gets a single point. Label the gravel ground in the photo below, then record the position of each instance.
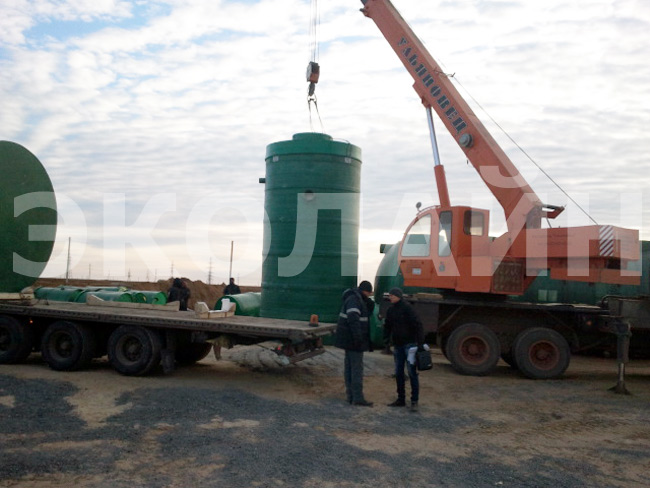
(247, 422)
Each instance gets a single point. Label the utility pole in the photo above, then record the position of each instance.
(210, 273)
(232, 246)
(67, 266)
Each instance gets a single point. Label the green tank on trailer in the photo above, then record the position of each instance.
(311, 232)
(154, 297)
(58, 294)
(27, 217)
(247, 303)
(108, 296)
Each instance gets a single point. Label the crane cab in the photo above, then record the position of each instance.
(449, 247)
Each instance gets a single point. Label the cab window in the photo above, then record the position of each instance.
(418, 239)
(444, 234)
(474, 223)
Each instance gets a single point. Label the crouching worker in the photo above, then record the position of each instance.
(353, 335)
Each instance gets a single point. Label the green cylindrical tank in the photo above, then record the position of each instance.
(58, 294)
(137, 296)
(390, 276)
(247, 303)
(27, 217)
(311, 232)
(154, 297)
(108, 296)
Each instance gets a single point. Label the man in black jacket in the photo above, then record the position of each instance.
(179, 292)
(404, 329)
(231, 288)
(353, 335)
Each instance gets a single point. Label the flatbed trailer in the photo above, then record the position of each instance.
(138, 337)
(474, 331)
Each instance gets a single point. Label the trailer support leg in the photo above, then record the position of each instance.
(622, 355)
(168, 356)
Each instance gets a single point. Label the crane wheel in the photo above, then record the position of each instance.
(473, 349)
(68, 346)
(16, 340)
(134, 350)
(541, 353)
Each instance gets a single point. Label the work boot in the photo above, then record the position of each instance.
(363, 403)
(413, 407)
(397, 403)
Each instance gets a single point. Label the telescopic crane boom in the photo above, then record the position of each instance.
(461, 255)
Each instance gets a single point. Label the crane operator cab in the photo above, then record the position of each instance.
(449, 247)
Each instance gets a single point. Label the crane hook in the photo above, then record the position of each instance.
(313, 72)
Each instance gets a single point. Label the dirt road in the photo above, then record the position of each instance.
(244, 421)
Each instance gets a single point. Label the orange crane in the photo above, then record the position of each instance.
(448, 246)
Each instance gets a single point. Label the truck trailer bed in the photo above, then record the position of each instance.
(161, 317)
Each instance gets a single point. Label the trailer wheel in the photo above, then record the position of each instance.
(541, 353)
(473, 349)
(68, 346)
(16, 340)
(188, 354)
(134, 350)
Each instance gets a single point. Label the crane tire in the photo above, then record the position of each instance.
(541, 353)
(473, 349)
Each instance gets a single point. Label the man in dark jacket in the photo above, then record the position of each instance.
(231, 288)
(179, 292)
(404, 328)
(353, 335)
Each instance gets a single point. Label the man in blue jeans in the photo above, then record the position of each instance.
(404, 329)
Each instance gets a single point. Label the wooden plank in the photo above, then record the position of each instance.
(16, 296)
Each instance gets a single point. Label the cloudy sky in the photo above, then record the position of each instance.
(152, 117)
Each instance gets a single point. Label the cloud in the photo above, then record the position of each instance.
(182, 97)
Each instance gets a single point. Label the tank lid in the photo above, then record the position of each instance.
(313, 143)
(314, 136)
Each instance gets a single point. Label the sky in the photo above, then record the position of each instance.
(152, 117)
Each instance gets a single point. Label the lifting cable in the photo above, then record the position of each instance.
(313, 68)
(523, 151)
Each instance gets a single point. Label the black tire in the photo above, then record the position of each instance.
(134, 350)
(541, 353)
(68, 346)
(473, 349)
(16, 340)
(188, 354)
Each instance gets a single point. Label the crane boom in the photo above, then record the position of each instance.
(522, 207)
(449, 247)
